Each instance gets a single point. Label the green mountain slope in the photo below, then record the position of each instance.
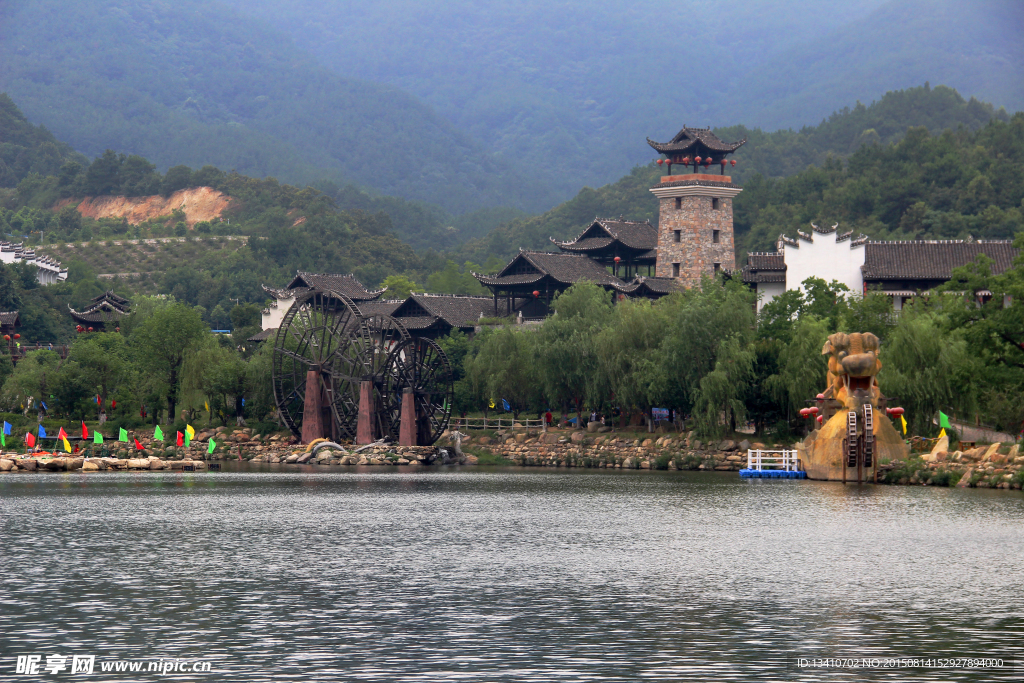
(196, 83)
(572, 88)
(764, 161)
(25, 148)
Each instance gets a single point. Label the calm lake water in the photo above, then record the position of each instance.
(505, 575)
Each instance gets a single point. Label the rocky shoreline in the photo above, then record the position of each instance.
(982, 467)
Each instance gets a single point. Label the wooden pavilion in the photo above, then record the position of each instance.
(624, 246)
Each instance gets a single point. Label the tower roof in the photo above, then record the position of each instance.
(697, 140)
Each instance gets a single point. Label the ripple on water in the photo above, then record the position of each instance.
(506, 575)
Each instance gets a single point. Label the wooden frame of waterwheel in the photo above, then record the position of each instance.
(329, 359)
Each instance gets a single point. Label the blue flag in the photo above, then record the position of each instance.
(7, 428)
(43, 404)
(505, 405)
(243, 401)
(42, 432)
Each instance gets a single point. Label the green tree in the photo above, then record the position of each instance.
(507, 366)
(103, 358)
(399, 287)
(629, 348)
(177, 178)
(162, 343)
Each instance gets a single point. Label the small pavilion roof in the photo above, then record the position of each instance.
(606, 232)
(343, 284)
(263, 335)
(107, 301)
(528, 267)
(9, 319)
(422, 311)
(104, 313)
(696, 140)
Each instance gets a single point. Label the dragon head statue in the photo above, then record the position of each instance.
(853, 367)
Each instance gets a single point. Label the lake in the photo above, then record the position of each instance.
(500, 574)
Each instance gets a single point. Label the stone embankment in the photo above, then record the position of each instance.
(981, 467)
(587, 449)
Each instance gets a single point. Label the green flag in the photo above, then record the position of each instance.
(188, 440)
(3, 441)
(158, 434)
(124, 435)
(213, 444)
(944, 421)
(97, 437)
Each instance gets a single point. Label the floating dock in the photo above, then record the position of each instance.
(763, 464)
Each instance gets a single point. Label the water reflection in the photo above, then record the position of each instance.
(308, 574)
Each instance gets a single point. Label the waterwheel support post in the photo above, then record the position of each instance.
(407, 430)
(312, 416)
(364, 423)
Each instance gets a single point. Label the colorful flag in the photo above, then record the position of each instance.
(97, 437)
(30, 440)
(138, 446)
(113, 404)
(211, 446)
(85, 431)
(62, 435)
(3, 440)
(43, 404)
(505, 405)
(191, 432)
(42, 432)
(904, 421)
(7, 428)
(188, 439)
(181, 440)
(158, 434)
(67, 445)
(942, 433)
(491, 404)
(944, 421)
(123, 435)
(207, 404)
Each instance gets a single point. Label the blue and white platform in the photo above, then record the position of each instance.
(762, 464)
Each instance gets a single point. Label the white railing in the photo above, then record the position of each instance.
(772, 460)
(495, 423)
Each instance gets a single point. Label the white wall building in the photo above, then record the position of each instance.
(48, 269)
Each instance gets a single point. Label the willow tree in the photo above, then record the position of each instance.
(629, 349)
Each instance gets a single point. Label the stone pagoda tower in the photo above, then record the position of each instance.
(695, 235)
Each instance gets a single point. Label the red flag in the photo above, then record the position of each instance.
(138, 446)
(30, 440)
(181, 439)
(62, 434)
(113, 404)
(85, 431)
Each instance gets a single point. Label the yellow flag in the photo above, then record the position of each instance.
(67, 446)
(207, 404)
(491, 404)
(191, 432)
(904, 421)
(942, 433)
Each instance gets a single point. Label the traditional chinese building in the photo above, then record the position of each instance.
(901, 269)
(695, 224)
(627, 247)
(48, 269)
(103, 314)
(531, 279)
(303, 282)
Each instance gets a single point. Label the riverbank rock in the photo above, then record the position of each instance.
(965, 480)
(90, 466)
(6, 465)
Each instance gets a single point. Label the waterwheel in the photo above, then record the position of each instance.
(420, 365)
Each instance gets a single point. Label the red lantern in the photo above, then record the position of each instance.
(813, 411)
(821, 418)
(660, 162)
(686, 160)
(724, 162)
(536, 294)
(697, 160)
(895, 411)
(804, 412)
(7, 337)
(17, 336)
(820, 397)
(733, 162)
(617, 259)
(90, 329)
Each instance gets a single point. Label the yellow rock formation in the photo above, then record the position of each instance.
(198, 203)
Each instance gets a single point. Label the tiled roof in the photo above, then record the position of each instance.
(108, 301)
(645, 286)
(9, 318)
(604, 231)
(104, 314)
(263, 335)
(563, 268)
(764, 267)
(343, 284)
(584, 243)
(421, 311)
(378, 307)
(694, 139)
(931, 260)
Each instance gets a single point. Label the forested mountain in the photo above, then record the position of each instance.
(894, 146)
(196, 83)
(25, 148)
(572, 88)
